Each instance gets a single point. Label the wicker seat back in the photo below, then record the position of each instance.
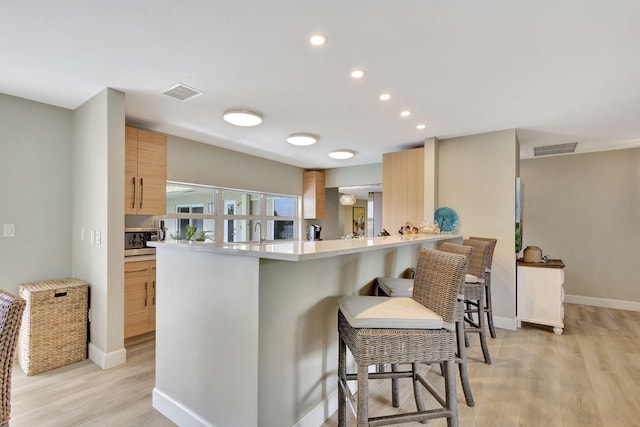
(479, 259)
(11, 309)
(438, 280)
(492, 246)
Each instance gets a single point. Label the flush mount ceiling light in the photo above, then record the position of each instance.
(358, 74)
(318, 39)
(342, 154)
(421, 126)
(302, 139)
(348, 200)
(405, 113)
(242, 117)
(385, 97)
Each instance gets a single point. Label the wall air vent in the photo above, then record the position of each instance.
(547, 150)
(182, 92)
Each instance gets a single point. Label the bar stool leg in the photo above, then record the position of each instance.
(342, 377)
(462, 364)
(489, 310)
(363, 396)
(417, 387)
(483, 331)
(395, 387)
(450, 393)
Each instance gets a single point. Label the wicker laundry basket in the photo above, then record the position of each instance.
(54, 324)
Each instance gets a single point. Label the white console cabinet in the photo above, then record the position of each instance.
(541, 293)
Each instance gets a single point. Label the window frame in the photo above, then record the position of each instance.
(221, 218)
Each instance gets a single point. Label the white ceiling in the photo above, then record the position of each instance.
(557, 70)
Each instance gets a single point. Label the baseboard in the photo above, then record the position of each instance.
(107, 360)
(319, 414)
(176, 412)
(603, 302)
(505, 323)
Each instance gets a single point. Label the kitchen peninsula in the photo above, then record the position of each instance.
(246, 333)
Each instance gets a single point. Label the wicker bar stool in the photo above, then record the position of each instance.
(487, 283)
(474, 294)
(11, 309)
(400, 287)
(421, 329)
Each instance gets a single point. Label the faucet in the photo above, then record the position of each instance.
(255, 228)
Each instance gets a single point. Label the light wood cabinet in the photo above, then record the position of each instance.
(403, 184)
(139, 297)
(313, 195)
(145, 172)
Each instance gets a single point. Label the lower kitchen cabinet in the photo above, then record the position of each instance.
(541, 293)
(139, 297)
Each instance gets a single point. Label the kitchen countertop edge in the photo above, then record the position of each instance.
(305, 250)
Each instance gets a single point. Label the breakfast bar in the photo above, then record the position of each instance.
(246, 334)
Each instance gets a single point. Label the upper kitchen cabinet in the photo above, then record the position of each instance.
(403, 183)
(145, 172)
(313, 198)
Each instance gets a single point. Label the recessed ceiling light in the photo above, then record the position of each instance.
(358, 74)
(318, 39)
(342, 154)
(242, 117)
(385, 97)
(405, 113)
(302, 139)
(421, 126)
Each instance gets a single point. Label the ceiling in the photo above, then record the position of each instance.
(557, 70)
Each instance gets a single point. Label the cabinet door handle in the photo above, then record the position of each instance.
(137, 269)
(141, 191)
(146, 294)
(133, 202)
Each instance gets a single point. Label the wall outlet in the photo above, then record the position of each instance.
(98, 238)
(9, 230)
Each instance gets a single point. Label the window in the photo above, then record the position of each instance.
(241, 212)
(229, 215)
(190, 206)
(183, 223)
(280, 219)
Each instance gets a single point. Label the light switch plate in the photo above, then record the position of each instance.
(9, 230)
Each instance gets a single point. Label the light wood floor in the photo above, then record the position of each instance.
(589, 376)
(84, 395)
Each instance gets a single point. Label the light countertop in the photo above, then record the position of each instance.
(136, 258)
(305, 250)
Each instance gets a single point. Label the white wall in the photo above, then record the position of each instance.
(476, 178)
(62, 171)
(35, 177)
(353, 175)
(585, 209)
(199, 163)
(98, 205)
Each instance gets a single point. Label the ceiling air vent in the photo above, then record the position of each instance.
(547, 150)
(183, 92)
